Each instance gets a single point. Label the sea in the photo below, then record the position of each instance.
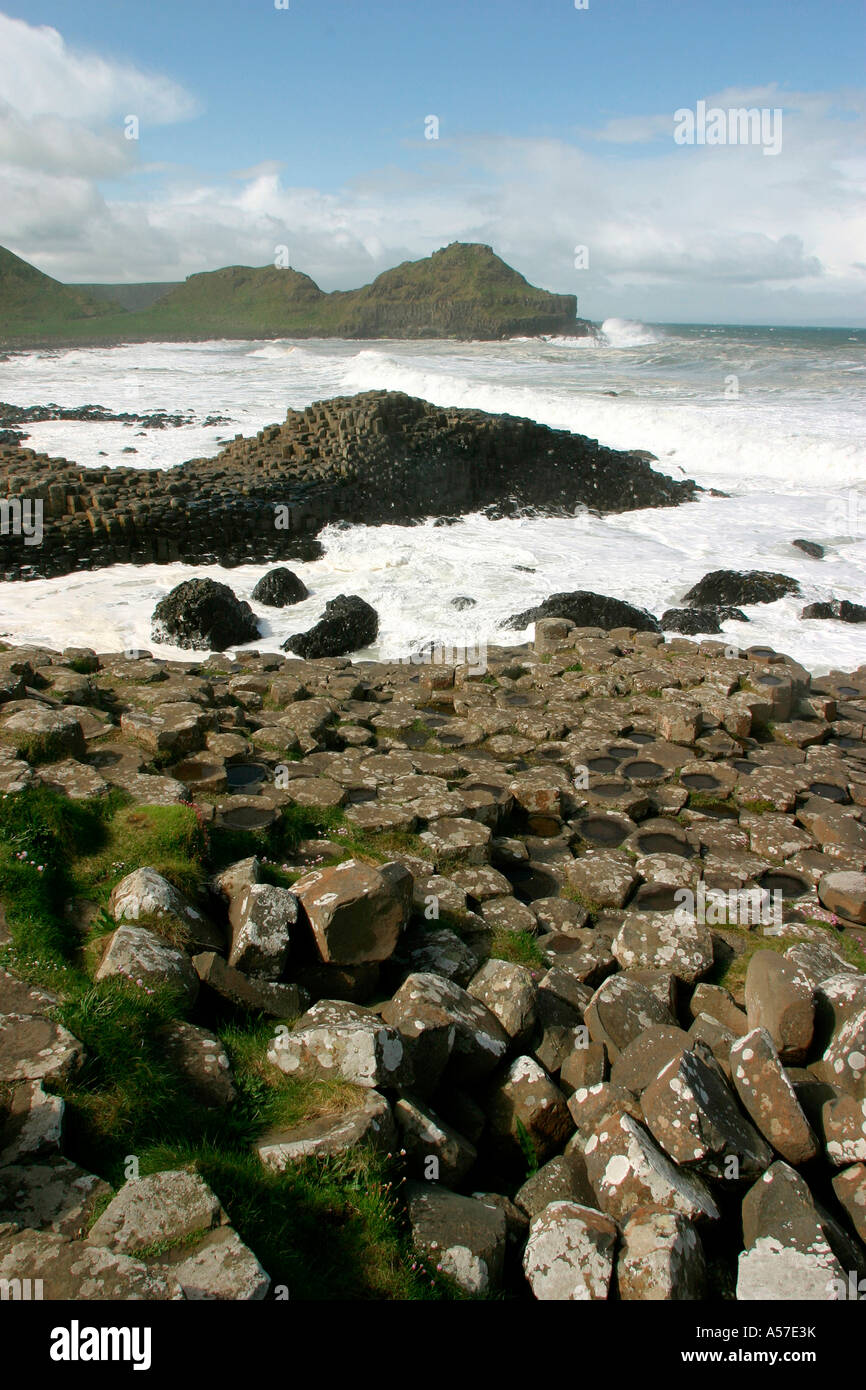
(770, 421)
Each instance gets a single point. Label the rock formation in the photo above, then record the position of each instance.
(603, 1010)
(200, 613)
(376, 457)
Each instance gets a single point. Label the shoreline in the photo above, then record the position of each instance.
(18, 345)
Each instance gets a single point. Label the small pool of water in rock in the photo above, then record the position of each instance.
(830, 791)
(700, 781)
(245, 776)
(790, 885)
(643, 770)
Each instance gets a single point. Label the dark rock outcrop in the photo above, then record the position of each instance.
(735, 586)
(840, 609)
(372, 458)
(811, 548)
(280, 587)
(586, 609)
(203, 615)
(347, 625)
(99, 414)
(690, 621)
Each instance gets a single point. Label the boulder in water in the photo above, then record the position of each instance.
(811, 548)
(840, 609)
(347, 624)
(586, 609)
(740, 586)
(691, 621)
(204, 615)
(280, 587)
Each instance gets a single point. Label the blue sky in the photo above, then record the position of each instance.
(305, 126)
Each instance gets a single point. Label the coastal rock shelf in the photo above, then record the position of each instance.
(377, 457)
(567, 952)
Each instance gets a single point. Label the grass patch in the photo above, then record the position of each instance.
(377, 846)
(844, 944)
(732, 974)
(519, 947)
(278, 841)
(326, 1229)
(41, 834)
(272, 1098)
(126, 1089)
(278, 877)
(574, 895)
(527, 1148)
(81, 665)
(706, 801)
(169, 839)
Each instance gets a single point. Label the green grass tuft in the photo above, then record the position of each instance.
(324, 1229)
(519, 947)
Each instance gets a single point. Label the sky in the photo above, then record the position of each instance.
(263, 124)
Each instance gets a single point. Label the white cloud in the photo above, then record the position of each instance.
(41, 75)
(674, 232)
(53, 145)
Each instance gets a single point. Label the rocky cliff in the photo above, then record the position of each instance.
(462, 291)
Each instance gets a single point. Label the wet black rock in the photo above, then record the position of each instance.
(380, 457)
(203, 615)
(347, 625)
(690, 621)
(811, 548)
(280, 587)
(586, 609)
(463, 602)
(735, 586)
(96, 414)
(840, 609)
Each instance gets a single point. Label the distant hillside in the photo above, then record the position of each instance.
(131, 297)
(239, 301)
(31, 302)
(462, 291)
(465, 290)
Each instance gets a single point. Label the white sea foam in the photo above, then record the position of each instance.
(628, 333)
(786, 447)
